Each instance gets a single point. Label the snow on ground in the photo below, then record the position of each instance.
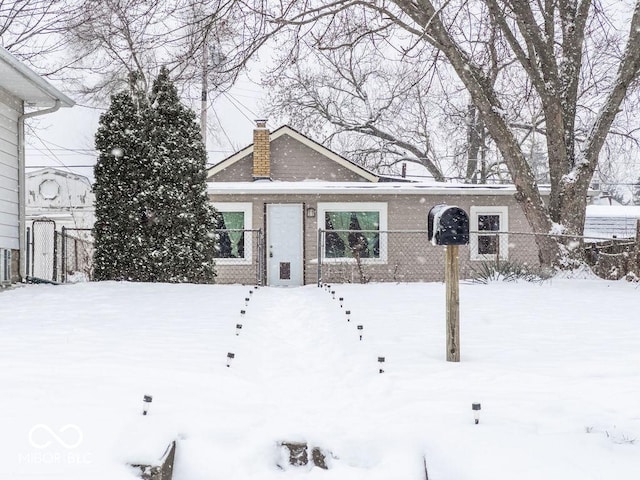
(555, 366)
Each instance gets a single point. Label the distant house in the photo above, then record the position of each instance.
(611, 221)
(277, 193)
(23, 95)
(60, 196)
(60, 214)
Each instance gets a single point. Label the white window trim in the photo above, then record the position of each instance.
(503, 212)
(247, 209)
(380, 207)
(5, 266)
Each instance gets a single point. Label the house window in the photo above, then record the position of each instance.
(234, 242)
(488, 233)
(5, 266)
(353, 231)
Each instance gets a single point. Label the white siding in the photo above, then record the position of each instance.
(9, 219)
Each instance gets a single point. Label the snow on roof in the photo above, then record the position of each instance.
(357, 188)
(24, 83)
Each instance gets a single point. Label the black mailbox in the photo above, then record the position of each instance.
(448, 225)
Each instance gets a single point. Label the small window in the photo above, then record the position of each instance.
(353, 231)
(488, 233)
(234, 239)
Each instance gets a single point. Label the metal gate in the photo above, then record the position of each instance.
(42, 255)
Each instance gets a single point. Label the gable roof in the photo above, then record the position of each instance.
(322, 150)
(23, 83)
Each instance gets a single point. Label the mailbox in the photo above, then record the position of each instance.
(448, 225)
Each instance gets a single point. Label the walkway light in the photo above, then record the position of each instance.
(146, 403)
(341, 301)
(348, 313)
(333, 294)
(381, 362)
(476, 412)
(238, 328)
(246, 301)
(230, 357)
(242, 312)
(360, 328)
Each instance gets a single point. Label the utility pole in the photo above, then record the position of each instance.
(205, 87)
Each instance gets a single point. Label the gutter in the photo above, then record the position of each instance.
(22, 197)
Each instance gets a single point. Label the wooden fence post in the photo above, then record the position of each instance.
(451, 274)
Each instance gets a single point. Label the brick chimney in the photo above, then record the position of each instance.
(261, 151)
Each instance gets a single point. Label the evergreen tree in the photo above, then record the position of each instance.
(119, 174)
(153, 217)
(182, 220)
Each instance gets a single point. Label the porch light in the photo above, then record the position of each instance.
(381, 362)
(348, 313)
(230, 357)
(360, 328)
(476, 412)
(238, 328)
(311, 212)
(146, 403)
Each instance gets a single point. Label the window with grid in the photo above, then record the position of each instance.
(489, 238)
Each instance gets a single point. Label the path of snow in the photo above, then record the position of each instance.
(555, 366)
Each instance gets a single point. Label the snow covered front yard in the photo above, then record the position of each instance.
(555, 366)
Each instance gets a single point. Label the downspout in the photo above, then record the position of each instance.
(22, 194)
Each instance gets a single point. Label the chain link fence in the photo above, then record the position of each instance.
(76, 259)
(409, 256)
(240, 256)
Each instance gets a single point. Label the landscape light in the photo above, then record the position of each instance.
(360, 328)
(238, 328)
(146, 403)
(341, 301)
(348, 313)
(381, 362)
(476, 412)
(230, 356)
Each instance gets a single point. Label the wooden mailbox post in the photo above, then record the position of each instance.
(449, 226)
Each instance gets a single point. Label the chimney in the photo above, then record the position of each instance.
(261, 151)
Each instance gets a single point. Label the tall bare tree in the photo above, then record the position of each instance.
(34, 30)
(577, 60)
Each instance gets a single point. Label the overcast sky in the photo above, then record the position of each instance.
(65, 139)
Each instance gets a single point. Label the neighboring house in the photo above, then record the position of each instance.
(288, 187)
(64, 197)
(611, 221)
(23, 95)
(63, 202)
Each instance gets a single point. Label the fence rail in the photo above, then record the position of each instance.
(409, 255)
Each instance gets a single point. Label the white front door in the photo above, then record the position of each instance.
(284, 244)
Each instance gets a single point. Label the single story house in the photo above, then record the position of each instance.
(23, 95)
(296, 212)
